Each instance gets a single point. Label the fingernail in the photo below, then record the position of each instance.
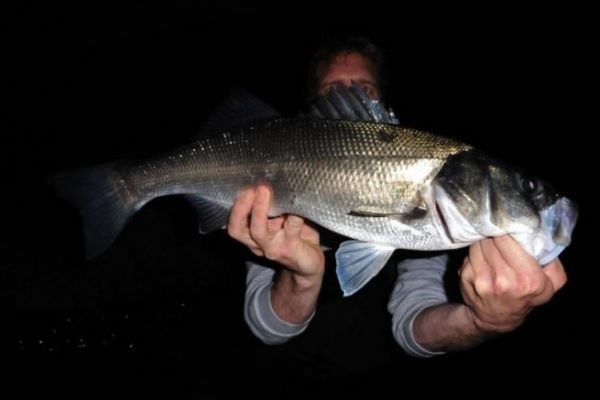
(244, 194)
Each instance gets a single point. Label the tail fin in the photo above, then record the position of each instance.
(103, 201)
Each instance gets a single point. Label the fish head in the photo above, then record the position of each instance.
(478, 197)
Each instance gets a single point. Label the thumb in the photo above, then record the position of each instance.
(293, 225)
(556, 273)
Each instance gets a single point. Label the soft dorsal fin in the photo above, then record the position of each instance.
(350, 103)
(239, 108)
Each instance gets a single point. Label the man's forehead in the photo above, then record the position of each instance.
(351, 60)
(351, 64)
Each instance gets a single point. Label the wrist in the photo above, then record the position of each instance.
(448, 327)
(294, 297)
(308, 276)
(304, 282)
(488, 328)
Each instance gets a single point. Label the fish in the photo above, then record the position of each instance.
(348, 166)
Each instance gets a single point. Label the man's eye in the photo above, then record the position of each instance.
(325, 91)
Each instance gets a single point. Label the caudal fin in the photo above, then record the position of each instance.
(102, 200)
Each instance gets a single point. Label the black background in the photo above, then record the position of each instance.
(160, 313)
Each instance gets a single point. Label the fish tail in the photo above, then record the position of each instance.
(102, 198)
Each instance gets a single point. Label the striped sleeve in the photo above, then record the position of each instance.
(258, 311)
(420, 284)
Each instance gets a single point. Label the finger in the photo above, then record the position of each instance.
(545, 293)
(259, 216)
(482, 279)
(293, 226)
(274, 225)
(515, 255)
(556, 273)
(309, 233)
(237, 226)
(256, 250)
(504, 277)
(466, 274)
(492, 255)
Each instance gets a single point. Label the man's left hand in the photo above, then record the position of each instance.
(501, 283)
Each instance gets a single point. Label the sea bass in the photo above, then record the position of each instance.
(348, 167)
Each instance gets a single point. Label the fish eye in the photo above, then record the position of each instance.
(530, 185)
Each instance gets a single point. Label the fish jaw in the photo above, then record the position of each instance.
(544, 243)
(557, 223)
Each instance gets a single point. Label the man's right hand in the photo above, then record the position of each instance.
(287, 240)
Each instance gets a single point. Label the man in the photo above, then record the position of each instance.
(500, 283)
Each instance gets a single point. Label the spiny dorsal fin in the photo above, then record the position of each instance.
(350, 103)
(239, 108)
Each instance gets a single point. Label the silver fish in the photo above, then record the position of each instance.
(352, 170)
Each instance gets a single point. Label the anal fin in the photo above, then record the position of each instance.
(211, 215)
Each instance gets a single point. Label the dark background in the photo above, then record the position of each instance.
(160, 314)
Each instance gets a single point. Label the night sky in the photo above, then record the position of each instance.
(160, 313)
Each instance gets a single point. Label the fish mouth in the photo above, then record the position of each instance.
(567, 212)
(557, 224)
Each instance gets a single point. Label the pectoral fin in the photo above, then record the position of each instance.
(372, 211)
(412, 210)
(403, 219)
(358, 262)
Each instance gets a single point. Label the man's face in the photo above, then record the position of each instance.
(351, 67)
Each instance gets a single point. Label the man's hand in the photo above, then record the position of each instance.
(501, 283)
(287, 240)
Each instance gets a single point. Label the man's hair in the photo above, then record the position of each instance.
(337, 46)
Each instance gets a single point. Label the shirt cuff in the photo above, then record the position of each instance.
(407, 340)
(267, 325)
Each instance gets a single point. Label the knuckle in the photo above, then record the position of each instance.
(482, 285)
(529, 285)
(233, 232)
(255, 233)
(257, 251)
(562, 282)
(316, 237)
(503, 285)
(466, 273)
